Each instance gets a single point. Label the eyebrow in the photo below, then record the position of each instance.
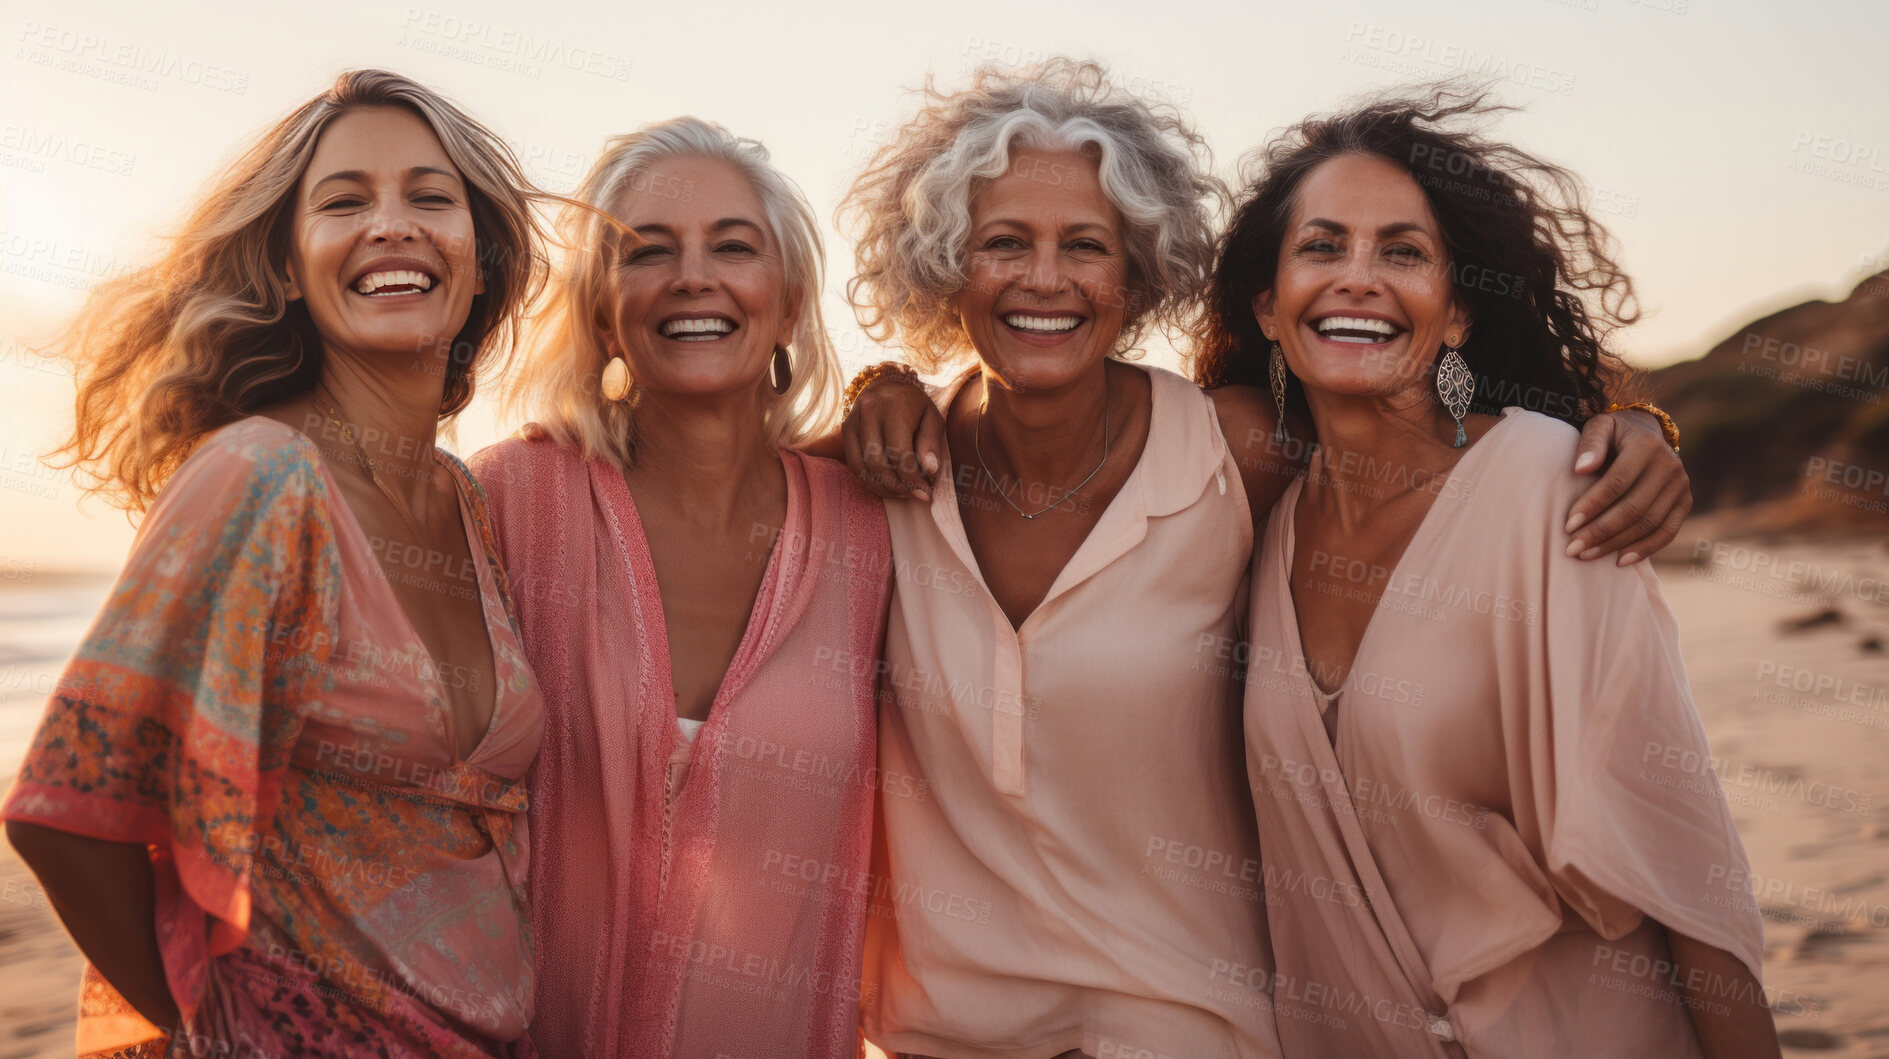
(1079, 226)
(360, 175)
(725, 222)
(1385, 232)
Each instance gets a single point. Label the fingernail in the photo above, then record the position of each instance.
(931, 464)
(1591, 553)
(922, 494)
(1575, 521)
(1629, 558)
(1586, 460)
(1575, 547)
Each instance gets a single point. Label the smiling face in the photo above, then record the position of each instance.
(1044, 299)
(1363, 299)
(381, 246)
(698, 306)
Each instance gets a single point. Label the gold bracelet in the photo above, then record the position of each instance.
(1666, 424)
(872, 373)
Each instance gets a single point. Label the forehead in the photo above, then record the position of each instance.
(377, 140)
(1363, 192)
(1043, 185)
(687, 192)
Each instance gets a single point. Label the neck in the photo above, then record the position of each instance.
(390, 414)
(1048, 435)
(707, 459)
(1374, 450)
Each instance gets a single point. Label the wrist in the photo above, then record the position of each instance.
(872, 374)
(1667, 428)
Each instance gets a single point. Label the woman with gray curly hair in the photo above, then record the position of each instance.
(1082, 874)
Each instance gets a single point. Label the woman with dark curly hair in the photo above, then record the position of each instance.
(1476, 758)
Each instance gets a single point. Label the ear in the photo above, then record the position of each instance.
(292, 286)
(601, 323)
(1263, 306)
(1461, 319)
(478, 284)
(789, 321)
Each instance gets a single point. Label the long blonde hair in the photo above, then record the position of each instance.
(206, 334)
(558, 383)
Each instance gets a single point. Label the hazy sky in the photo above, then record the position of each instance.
(1739, 151)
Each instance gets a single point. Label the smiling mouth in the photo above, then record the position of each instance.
(390, 282)
(1356, 330)
(705, 329)
(1042, 325)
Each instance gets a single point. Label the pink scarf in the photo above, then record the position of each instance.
(729, 922)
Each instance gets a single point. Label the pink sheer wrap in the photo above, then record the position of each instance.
(728, 922)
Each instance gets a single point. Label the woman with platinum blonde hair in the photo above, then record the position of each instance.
(278, 797)
(706, 605)
(1084, 535)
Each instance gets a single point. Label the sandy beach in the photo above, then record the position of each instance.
(1787, 647)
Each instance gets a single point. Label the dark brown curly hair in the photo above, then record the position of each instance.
(1528, 260)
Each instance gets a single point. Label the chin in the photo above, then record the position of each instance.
(1040, 369)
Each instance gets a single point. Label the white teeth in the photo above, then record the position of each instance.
(713, 325)
(374, 281)
(1365, 325)
(1042, 323)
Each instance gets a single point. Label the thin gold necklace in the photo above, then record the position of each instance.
(977, 442)
(348, 435)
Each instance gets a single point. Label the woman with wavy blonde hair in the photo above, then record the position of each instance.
(704, 606)
(278, 795)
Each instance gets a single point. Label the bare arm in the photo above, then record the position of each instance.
(1638, 505)
(894, 439)
(105, 896)
(1726, 1004)
(1247, 420)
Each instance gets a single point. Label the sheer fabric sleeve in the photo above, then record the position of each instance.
(173, 724)
(1632, 818)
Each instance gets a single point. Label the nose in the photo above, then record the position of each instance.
(392, 223)
(1358, 275)
(1043, 269)
(695, 272)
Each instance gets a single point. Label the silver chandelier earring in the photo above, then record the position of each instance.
(1454, 384)
(1278, 371)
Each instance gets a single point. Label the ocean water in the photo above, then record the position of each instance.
(42, 618)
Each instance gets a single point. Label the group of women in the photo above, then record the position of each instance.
(656, 733)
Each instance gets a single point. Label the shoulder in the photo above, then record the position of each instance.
(834, 487)
(1531, 460)
(529, 459)
(251, 465)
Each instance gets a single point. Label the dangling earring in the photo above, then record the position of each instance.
(1278, 371)
(781, 372)
(1454, 384)
(615, 383)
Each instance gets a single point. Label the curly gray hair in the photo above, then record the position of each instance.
(910, 209)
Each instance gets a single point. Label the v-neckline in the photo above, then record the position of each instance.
(475, 550)
(1100, 535)
(637, 545)
(1426, 527)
